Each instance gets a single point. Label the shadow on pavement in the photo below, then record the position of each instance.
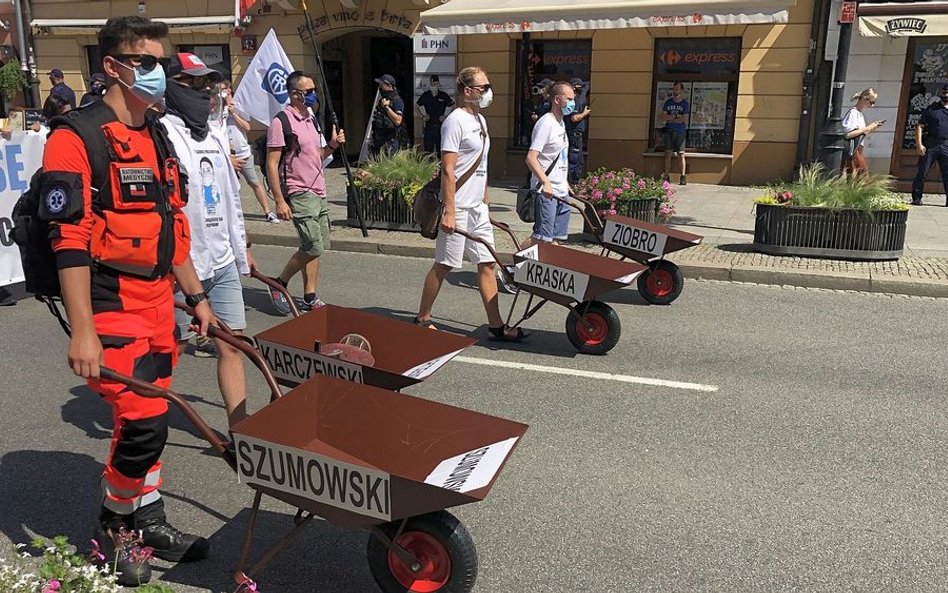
(737, 247)
(688, 221)
(324, 558)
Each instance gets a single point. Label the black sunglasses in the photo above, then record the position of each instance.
(481, 87)
(146, 62)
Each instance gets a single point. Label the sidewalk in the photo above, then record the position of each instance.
(724, 215)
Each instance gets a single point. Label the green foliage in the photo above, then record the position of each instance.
(608, 190)
(12, 79)
(399, 175)
(814, 189)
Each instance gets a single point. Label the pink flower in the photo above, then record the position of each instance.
(96, 554)
(610, 175)
(141, 554)
(666, 186)
(617, 192)
(594, 181)
(626, 186)
(597, 194)
(52, 586)
(641, 184)
(784, 197)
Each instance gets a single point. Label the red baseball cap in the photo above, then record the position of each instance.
(190, 64)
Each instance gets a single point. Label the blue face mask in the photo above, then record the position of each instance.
(310, 99)
(149, 86)
(570, 107)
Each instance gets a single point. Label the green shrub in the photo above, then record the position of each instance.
(814, 189)
(399, 175)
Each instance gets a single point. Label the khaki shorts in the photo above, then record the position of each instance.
(311, 219)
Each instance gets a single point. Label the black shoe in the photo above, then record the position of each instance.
(916, 202)
(118, 556)
(173, 545)
(683, 180)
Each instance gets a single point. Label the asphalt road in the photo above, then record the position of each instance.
(817, 464)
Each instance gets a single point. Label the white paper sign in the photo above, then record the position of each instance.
(472, 470)
(22, 155)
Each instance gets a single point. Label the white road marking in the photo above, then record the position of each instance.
(586, 374)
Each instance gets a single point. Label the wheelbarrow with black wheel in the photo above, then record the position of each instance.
(644, 242)
(364, 457)
(568, 277)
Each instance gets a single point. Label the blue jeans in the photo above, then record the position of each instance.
(551, 219)
(935, 153)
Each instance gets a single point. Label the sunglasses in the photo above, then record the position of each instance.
(306, 91)
(146, 62)
(481, 87)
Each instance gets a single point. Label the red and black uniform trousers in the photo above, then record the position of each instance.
(135, 232)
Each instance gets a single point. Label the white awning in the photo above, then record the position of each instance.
(459, 17)
(187, 24)
(910, 19)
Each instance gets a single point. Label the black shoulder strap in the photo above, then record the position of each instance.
(87, 123)
(289, 138)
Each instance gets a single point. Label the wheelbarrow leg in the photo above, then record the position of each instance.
(300, 522)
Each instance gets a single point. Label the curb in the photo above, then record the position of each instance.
(693, 270)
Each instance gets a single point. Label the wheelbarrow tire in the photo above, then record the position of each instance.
(442, 544)
(662, 283)
(593, 327)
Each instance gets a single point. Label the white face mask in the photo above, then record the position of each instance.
(486, 99)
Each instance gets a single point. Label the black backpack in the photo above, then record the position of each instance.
(289, 143)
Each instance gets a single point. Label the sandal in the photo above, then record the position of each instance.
(427, 323)
(499, 334)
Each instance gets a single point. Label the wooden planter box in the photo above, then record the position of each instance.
(835, 234)
(638, 209)
(381, 211)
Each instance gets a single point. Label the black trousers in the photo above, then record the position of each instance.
(432, 140)
(935, 153)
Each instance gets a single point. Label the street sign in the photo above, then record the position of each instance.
(847, 13)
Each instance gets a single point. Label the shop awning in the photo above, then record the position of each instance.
(525, 16)
(188, 24)
(903, 19)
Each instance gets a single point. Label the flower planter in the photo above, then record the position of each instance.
(381, 211)
(637, 209)
(822, 232)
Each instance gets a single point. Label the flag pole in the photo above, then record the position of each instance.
(350, 186)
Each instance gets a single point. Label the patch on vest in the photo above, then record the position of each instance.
(55, 201)
(137, 175)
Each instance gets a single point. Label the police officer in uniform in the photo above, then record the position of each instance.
(576, 130)
(388, 119)
(931, 144)
(119, 250)
(433, 107)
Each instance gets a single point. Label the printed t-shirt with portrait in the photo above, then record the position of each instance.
(853, 121)
(676, 108)
(550, 141)
(461, 133)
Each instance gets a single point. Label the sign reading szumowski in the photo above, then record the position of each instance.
(341, 485)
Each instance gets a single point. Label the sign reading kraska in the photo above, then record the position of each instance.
(630, 237)
(294, 366)
(348, 487)
(552, 278)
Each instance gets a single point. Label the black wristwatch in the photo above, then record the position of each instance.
(192, 300)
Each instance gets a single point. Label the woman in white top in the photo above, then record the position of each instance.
(856, 130)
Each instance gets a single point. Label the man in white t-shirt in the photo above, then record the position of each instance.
(218, 237)
(464, 149)
(549, 151)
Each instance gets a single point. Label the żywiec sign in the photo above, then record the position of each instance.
(906, 24)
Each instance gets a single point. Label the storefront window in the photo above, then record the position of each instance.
(708, 69)
(545, 60)
(928, 74)
(215, 56)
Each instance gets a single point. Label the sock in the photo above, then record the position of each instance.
(310, 297)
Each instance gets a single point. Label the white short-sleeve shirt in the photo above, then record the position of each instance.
(550, 141)
(461, 132)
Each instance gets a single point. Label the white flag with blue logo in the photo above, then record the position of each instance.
(262, 91)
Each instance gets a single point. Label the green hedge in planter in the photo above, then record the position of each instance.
(386, 186)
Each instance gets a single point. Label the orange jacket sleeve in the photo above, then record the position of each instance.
(65, 152)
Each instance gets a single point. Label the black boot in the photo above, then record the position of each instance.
(168, 543)
(116, 543)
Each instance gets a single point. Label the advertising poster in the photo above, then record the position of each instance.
(929, 72)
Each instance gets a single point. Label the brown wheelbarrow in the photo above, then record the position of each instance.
(568, 277)
(364, 457)
(645, 242)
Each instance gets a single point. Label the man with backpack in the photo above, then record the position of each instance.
(296, 173)
(111, 193)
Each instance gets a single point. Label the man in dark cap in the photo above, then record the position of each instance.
(576, 130)
(60, 89)
(433, 107)
(931, 144)
(388, 118)
(96, 89)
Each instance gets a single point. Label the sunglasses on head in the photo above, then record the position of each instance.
(146, 62)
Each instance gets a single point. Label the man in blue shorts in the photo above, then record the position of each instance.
(675, 114)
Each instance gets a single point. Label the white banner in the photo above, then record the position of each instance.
(21, 156)
(909, 25)
(262, 91)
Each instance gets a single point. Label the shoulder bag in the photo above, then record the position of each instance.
(527, 196)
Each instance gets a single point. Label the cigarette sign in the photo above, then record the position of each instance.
(341, 485)
(847, 13)
(295, 366)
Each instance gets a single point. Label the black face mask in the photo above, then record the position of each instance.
(388, 94)
(944, 98)
(191, 105)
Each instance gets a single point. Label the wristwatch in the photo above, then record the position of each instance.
(192, 300)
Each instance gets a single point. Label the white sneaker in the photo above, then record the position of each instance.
(272, 217)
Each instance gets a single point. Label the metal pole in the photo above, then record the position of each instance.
(834, 134)
(350, 187)
(24, 18)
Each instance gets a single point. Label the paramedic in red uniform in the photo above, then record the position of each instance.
(119, 253)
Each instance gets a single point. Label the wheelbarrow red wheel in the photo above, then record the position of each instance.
(445, 551)
(661, 283)
(593, 327)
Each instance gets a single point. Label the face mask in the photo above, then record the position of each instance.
(310, 99)
(944, 98)
(193, 107)
(570, 107)
(486, 99)
(149, 87)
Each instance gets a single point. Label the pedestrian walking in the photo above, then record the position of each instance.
(433, 107)
(218, 237)
(548, 161)
(931, 144)
(856, 131)
(675, 113)
(296, 173)
(119, 250)
(465, 145)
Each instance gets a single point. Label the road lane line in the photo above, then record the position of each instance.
(523, 366)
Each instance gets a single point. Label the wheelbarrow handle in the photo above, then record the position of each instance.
(243, 344)
(146, 389)
(588, 207)
(490, 248)
(506, 228)
(255, 273)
